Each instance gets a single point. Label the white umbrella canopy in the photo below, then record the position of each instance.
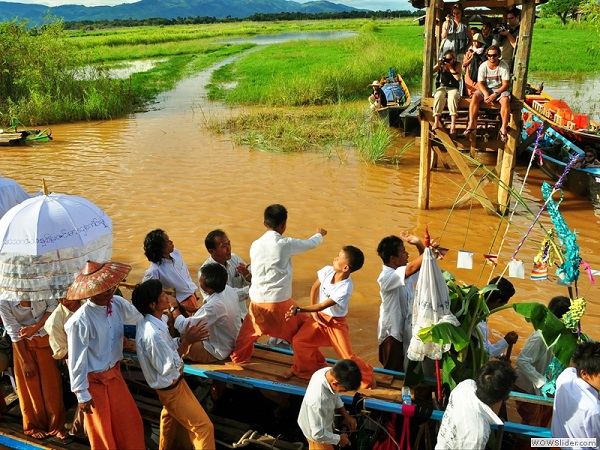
(44, 243)
(51, 222)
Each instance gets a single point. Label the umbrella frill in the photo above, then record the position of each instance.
(49, 275)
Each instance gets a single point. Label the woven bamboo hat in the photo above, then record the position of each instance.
(96, 278)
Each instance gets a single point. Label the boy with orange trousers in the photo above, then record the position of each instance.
(329, 296)
(271, 290)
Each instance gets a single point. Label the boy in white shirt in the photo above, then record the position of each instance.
(576, 404)
(220, 312)
(470, 412)
(329, 296)
(321, 401)
(396, 287)
(182, 420)
(271, 290)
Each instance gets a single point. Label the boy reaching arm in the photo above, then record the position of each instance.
(322, 400)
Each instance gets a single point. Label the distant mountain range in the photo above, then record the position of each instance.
(168, 9)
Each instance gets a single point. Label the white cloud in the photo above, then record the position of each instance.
(374, 5)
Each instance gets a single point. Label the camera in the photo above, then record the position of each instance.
(500, 28)
(445, 61)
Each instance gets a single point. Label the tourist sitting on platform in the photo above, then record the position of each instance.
(271, 290)
(467, 421)
(576, 412)
(397, 289)
(38, 379)
(531, 368)
(220, 313)
(238, 274)
(322, 401)
(183, 422)
(169, 268)
(377, 99)
(486, 34)
(492, 87)
(327, 327)
(495, 299)
(95, 339)
(447, 86)
(473, 59)
(590, 159)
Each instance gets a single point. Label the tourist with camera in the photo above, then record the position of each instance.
(456, 34)
(508, 35)
(447, 87)
(492, 87)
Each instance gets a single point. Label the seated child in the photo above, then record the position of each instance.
(322, 400)
(327, 327)
(220, 312)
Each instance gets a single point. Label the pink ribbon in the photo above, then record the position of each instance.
(588, 269)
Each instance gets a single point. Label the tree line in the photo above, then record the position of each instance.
(258, 17)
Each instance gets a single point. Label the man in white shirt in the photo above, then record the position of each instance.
(11, 194)
(219, 312)
(532, 363)
(467, 421)
(322, 400)
(95, 339)
(271, 290)
(168, 267)
(183, 420)
(396, 288)
(238, 274)
(576, 412)
(493, 81)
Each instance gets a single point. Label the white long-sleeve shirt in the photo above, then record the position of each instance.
(395, 312)
(157, 352)
(234, 279)
(55, 327)
(576, 411)
(467, 421)
(95, 340)
(493, 350)
(220, 311)
(532, 363)
(15, 316)
(173, 274)
(271, 259)
(318, 410)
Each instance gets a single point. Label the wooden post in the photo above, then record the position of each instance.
(425, 148)
(518, 90)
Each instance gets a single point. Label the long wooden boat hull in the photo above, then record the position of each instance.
(584, 182)
(589, 135)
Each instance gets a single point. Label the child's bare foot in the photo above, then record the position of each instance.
(287, 375)
(373, 384)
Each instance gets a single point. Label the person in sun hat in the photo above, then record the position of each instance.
(95, 343)
(473, 58)
(377, 99)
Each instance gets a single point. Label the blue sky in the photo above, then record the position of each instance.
(363, 4)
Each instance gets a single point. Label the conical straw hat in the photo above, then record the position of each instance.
(96, 278)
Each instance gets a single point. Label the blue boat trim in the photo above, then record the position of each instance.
(17, 443)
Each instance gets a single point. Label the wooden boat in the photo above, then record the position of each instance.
(13, 135)
(584, 182)
(398, 97)
(557, 114)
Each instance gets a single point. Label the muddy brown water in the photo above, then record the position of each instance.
(164, 169)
